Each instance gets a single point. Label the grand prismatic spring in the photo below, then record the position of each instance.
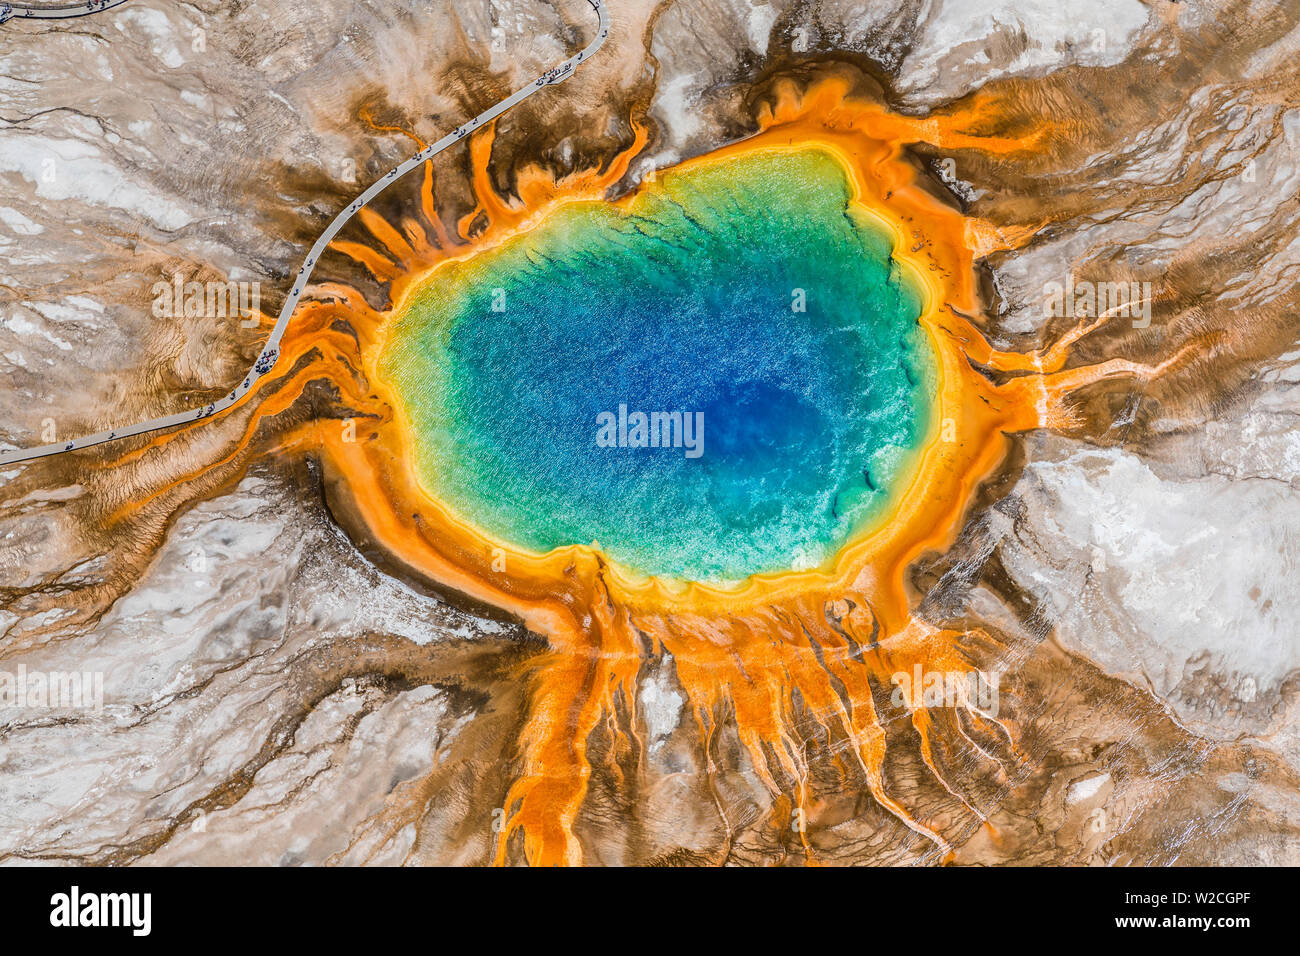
(795, 434)
(849, 411)
(693, 299)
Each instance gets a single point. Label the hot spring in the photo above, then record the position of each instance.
(750, 309)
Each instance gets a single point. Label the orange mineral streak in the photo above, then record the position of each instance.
(780, 649)
(368, 118)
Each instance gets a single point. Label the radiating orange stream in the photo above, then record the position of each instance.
(820, 643)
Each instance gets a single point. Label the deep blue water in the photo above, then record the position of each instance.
(686, 304)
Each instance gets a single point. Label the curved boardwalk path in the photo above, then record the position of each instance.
(11, 11)
(271, 351)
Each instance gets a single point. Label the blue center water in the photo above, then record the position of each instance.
(750, 291)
